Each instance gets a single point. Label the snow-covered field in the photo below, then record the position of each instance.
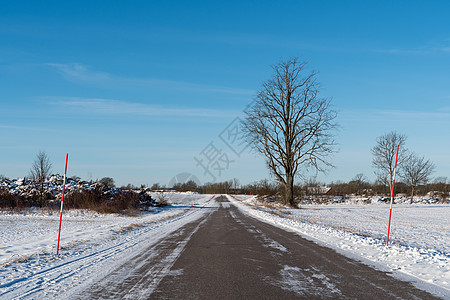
(29, 267)
(419, 243)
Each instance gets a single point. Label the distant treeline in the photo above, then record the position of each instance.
(439, 188)
(103, 196)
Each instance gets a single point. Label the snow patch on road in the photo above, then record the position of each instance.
(225, 204)
(275, 245)
(305, 282)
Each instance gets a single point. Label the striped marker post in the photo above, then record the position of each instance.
(392, 197)
(62, 203)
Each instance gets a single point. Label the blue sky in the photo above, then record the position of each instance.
(136, 90)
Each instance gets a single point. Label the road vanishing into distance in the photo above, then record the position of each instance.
(228, 255)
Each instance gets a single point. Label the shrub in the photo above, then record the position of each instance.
(107, 182)
(107, 201)
(84, 199)
(10, 200)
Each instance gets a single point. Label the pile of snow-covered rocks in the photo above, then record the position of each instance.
(52, 189)
(28, 188)
(53, 186)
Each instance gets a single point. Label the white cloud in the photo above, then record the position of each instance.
(433, 47)
(23, 128)
(82, 73)
(417, 115)
(405, 116)
(117, 107)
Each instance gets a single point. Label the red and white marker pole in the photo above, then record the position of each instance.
(392, 197)
(62, 203)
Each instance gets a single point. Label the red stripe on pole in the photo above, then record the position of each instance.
(67, 157)
(392, 197)
(62, 203)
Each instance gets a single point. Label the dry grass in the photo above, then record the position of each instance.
(22, 258)
(71, 245)
(130, 227)
(268, 205)
(18, 259)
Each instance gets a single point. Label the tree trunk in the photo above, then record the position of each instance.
(289, 191)
(412, 195)
(41, 194)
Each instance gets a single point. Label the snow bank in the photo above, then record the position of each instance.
(35, 231)
(92, 247)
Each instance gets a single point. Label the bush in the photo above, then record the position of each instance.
(84, 199)
(107, 201)
(8, 200)
(13, 201)
(162, 199)
(107, 182)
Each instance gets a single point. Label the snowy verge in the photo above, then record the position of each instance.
(428, 268)
(32, 232)
(84, 262)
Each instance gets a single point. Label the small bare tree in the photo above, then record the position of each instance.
(416, 171)
(384, 156)
(155, 187)
(290, 124)
(235, 185)
(163, 198)
(40, 170)
(359, 182)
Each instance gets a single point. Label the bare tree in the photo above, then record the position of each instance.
(39, 172)
(163, 198)
(236, 184)
(359, 182)
(416, 171)
(290, 124)
(156, 186)
(384, 156)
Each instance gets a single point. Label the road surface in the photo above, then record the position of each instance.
(228, 255)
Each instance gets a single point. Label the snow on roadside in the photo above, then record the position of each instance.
(420, 236)
(81, 263)
(33, 231)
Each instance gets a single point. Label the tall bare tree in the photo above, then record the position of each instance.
(416, 171)
(384, 156)
(40, 170)
(290, 124)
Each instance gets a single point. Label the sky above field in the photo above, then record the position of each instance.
(144, 90)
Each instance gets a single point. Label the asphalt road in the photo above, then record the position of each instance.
(228, 255)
